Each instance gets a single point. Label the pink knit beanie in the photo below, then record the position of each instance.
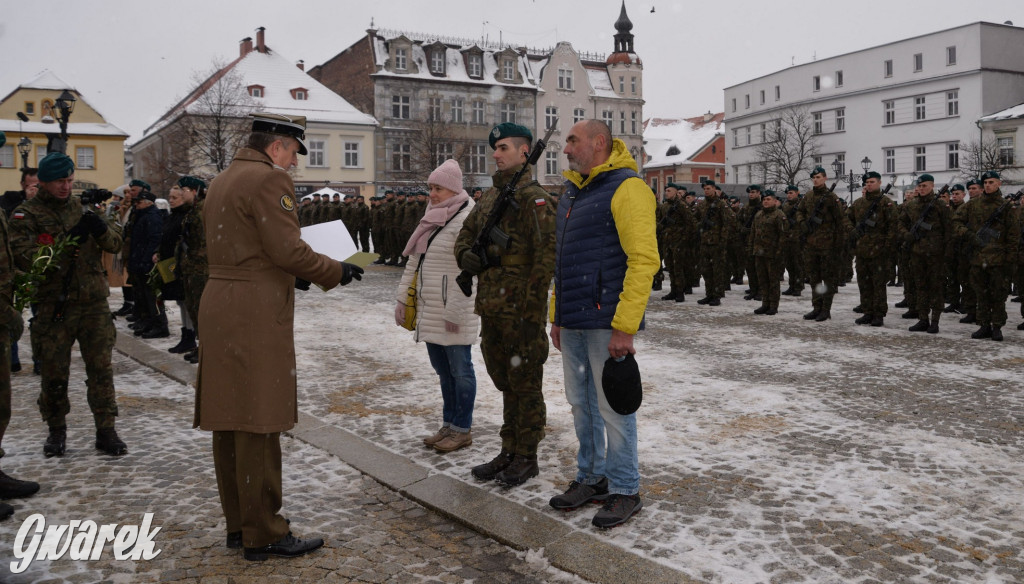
(448, 175)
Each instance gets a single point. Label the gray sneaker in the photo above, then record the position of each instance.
(617, 510)
(579, 494)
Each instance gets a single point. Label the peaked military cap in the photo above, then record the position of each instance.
(291, 126)
(509, 130)
(925, 177)
(990, 174)
(818, 170)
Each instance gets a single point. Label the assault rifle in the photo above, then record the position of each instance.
(920, 226)
(815, 219)
(490, 233)
(867, 222)
(986, 234)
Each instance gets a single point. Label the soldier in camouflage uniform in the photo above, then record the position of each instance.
(361, 218)
(767, 232)
(192, 268)
(968, 299)
(659, 219)
(957, 255)
(511, 301)
(377, 227)
(906, 277)
(82, 315)
(989, 229)
(745, 219)
(715, 223)
(820, 220)
(927, 226)
(737, 248)
(872, 221)
(691, 249)
(792, 251)
(679, 229)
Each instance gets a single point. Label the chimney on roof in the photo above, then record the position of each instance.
(301, 65)
(261, 45)
(708, 116)
(245, 47)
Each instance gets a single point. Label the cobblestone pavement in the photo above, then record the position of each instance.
(373, 534)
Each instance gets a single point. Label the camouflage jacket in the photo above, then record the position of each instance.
(820, 204)
(766, 233)
(789, 210)
(54, 217)
(935, 239)
(7, 272)
(680, 225)
(715, 221)
(877, 240)
(746, 219)
(1001, 248)
(518, 287)
(191, 252)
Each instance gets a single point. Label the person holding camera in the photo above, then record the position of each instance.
(71, 303)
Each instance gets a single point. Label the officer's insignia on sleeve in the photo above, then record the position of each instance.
(287, 203)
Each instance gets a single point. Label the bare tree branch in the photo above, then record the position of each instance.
(787, 149)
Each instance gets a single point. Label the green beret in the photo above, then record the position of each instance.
(792, 188)
(140, 183)
(754, 188)
(871, 174)
(509, 130)
(958, 187)
(768, 193)
(925, 177)
(56, 165)
(709, 183)
(191, 182)
(973, 181)
(671, 185)
(818, 170)
(990, 174)
(3, 139)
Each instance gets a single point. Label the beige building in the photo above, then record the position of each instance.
(96, 146)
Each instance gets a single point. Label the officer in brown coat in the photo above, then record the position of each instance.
(246, 387)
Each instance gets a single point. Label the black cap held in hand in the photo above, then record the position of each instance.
(622, 386)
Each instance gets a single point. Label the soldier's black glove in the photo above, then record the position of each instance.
(471, 263)
(301, 284)
(350, 271)
(93, 224)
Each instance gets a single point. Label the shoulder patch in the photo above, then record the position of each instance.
(540, 202)
(18, 215)
(287, 203)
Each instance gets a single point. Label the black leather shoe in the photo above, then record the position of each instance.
(488, 470)
(997, 333)
(234, 540)
(108, 442)
(812, 314)
(288, 546)
(688, 290)
(796, 292)
(823, 316)
(985, 332)
(971, 319)
(12, 488)
(55, 442)
(919, 326)
(518, 472)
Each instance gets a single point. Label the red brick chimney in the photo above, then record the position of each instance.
(261, 46)
(301, 65)
(245, 47)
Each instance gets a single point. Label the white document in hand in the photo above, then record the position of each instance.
(331, 239)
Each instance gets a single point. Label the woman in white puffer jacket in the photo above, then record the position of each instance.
(444, 315)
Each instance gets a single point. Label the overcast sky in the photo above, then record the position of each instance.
(132, 59)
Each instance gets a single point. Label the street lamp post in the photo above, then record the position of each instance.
(24, 147)
(64, 106)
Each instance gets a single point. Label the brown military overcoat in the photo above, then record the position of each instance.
(246, 379)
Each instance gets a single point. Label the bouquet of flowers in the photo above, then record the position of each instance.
(44, 261)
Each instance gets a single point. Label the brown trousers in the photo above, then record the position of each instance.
(249, 481)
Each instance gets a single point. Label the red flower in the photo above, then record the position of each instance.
(44, 239)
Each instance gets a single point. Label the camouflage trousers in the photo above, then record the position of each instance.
(753, 277)
(793, 262)
(991, 287)
(692, 260)
(676, 265)
(823, 276)
(192, 283)
(968, 299)
(767, 270)
(514, 352)
(5, 384)
(713, 265)
(928, 277)
(91, 324)
(872, 278)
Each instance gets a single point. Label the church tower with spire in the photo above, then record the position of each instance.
(625, 71)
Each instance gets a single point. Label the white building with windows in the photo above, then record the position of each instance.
(909, 106)
(1003, 132)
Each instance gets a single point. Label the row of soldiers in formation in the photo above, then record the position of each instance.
(961, 247)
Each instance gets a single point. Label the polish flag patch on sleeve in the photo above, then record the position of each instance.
(540, 202)
(18, 215)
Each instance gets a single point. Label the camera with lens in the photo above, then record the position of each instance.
(95, 196)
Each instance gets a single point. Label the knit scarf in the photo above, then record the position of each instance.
(435, 216)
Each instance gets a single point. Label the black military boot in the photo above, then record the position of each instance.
(824, 315)
(812, 314)
(762, 309)
(656, 286)
(920, 326)
(55, 442)
(187, 342)
(772, 311)
(192, 356)
(489, 470)
(933, 328)
(670, 296)
(970, 319)
(518, 472)
(877, 320)
(704, 300)
(688, 290)
(681, 297)
(715, 302)
(985, 332)
(902, 304)
(997, 333)
(126, 309)
(911, 314)
(858, 309)
(108, 442)
(12, 488)
(1020, 326)
(866, 319)
(787, 291)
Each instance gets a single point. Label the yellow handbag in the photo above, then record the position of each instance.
(410, 302)
(166, 269)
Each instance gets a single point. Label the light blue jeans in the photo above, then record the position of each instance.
(454, 365)
(583, 355)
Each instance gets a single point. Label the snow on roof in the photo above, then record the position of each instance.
(600, 82)
(47, 80)
(687, 135)
(74, 129)
(1010, 113)
(455, 63)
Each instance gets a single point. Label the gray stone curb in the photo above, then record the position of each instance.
(512, 524)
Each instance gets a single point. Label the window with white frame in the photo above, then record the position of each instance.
(890, 160)
(40, 153)
(920, 109)
(578, 115)
(654, 184)
(762, 96)
(816, 83)
(734, 104)
(841, 167)
(953, 155)
(951, 55)
(735, 137)
(764, 133)
(508, 70)
(890, 112)
(565, 79)
(479, 112)
(748, 135)
(839, 78)
(632, 84)
(622, 84)
(551, 163)
(7, 156)
(887, 68)
(508, 113)
(299, 94)
(443, 152)
(622, 123)
(778, 92)
(550, 117)
(746, 101)
(1005, 146)
(400, 59)
(920, 158)
(457, 104)
(918, 62)
(351, 150)
(85, 157)
(817, 122)
(607, 117)
(841, 119)
(816, 160)
(317, 146)
(400, 107)
(477, 159)
(476, 65)
(434, 108)
(632, 123)
(401, 155)
(952, 103)
(437, 61)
